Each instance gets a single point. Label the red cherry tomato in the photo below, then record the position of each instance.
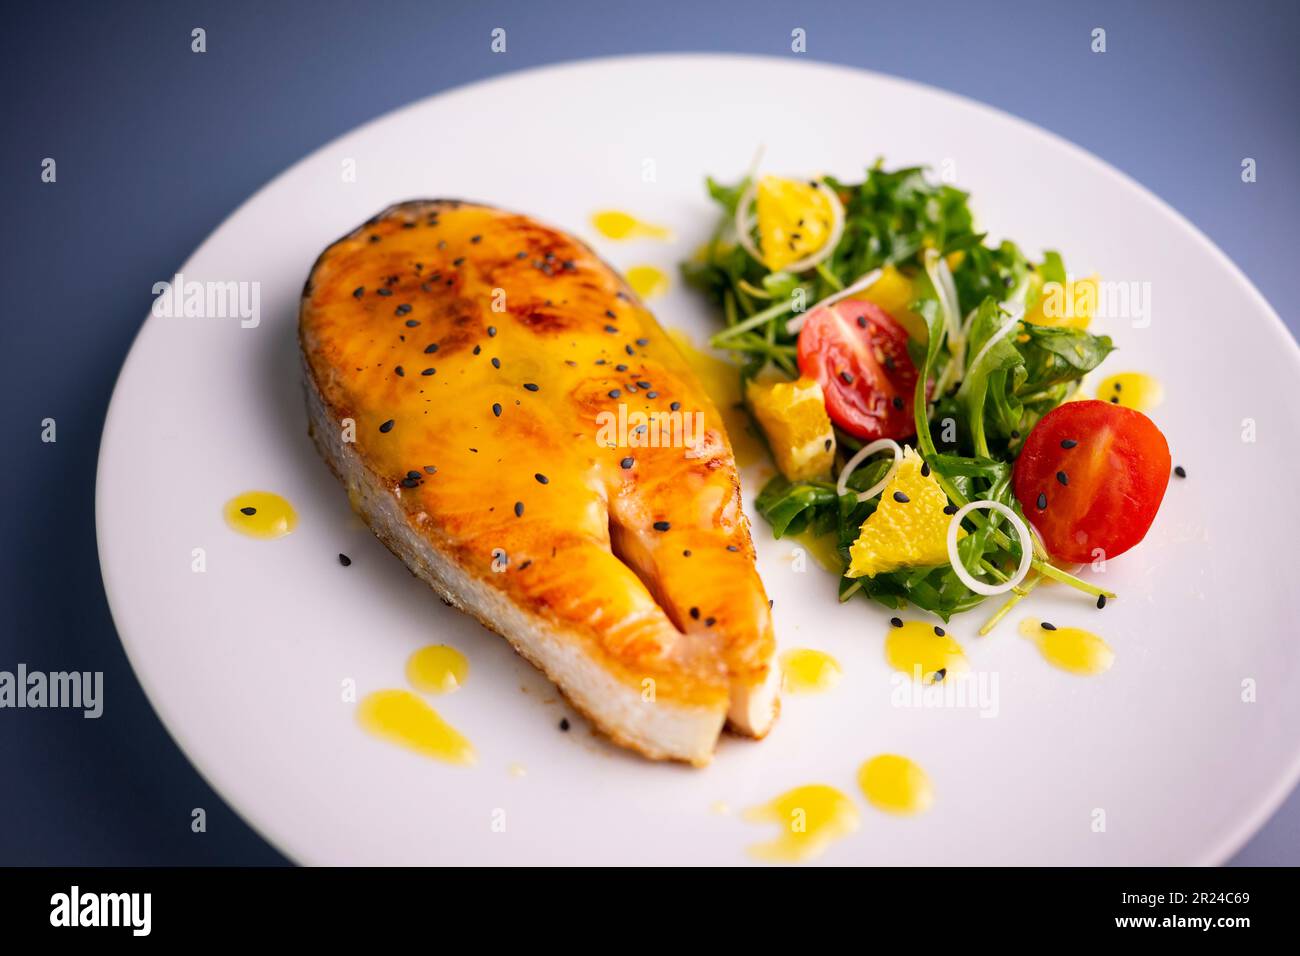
(1090, 478)
(858, 353)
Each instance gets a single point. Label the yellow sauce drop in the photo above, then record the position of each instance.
(917, 649)
(260, 514)
(810, 817)
(518, 770)
(809, 672)
(1069, 648)
(896, 785)
(721, 380)
(437, 669)
(721, 808)
(1134, 390)
(402, 718)
(823, 549)
(647, 281)
(613, 224)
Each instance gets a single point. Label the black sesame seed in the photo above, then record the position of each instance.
(940, 674)
(826, 445)
(477, 349)
(344, 560)
(1180, 471)
(614, 393)
(950, 509)
(651, 394)
(496, 409)
(732, 547)
(686, 554)
(695, 613)
(458, 261)
(413, 474)
(402, 309)
(627, 462)
(629, 350)
(519, 509)
(846, 378)
(431, 469)
(412, 323)
(710, 621)
(410, 482)
(610, 314)
(675, 406)
(1048, 627)
(1101, 601)
(1062, 477)
(620, 367)
(642, 384)
(496, 362)
(901, 498)
(564, 724)
(925, 469)
(431, 348)
(400, 371)
(492, 331)
(1042, 501)
(385, 292)
(862, 321)
(531, 386)
(475, 239)
(1114, 400)
(939, 632)
(387, 426)
(1068, 443)
(662, 526)
(542, 479)
(428, 371)
(248, 511)
(643, 342)
(898, 403)
(896, 621)
(612, 329)
(359, 291)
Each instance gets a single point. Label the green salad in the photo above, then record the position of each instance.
(893, 357)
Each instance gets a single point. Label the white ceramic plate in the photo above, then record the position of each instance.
(245, 662)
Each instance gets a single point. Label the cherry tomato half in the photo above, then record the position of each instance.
(858, 353)
(1090, 478)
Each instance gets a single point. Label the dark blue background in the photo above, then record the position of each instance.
(156, 145)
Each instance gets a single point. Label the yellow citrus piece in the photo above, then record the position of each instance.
(908, 529)
(793, 416)
(794, 220)
(1068, 306)
(893, 292)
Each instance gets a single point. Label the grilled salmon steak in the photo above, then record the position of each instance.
(512, 423)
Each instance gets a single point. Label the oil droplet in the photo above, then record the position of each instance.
(810, 817)
(614, 224)
(721, 380)
(918, 649)
(647, 281)
(896, 785)
(809, 672)
(824, 549)
(402, 718)
(437, 669)
(1070, 648)
(1132, 390)
(260, 514)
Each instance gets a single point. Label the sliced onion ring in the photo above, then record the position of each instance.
(744, 223)
(867, 281)
(1026, 548)
(863, 453)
